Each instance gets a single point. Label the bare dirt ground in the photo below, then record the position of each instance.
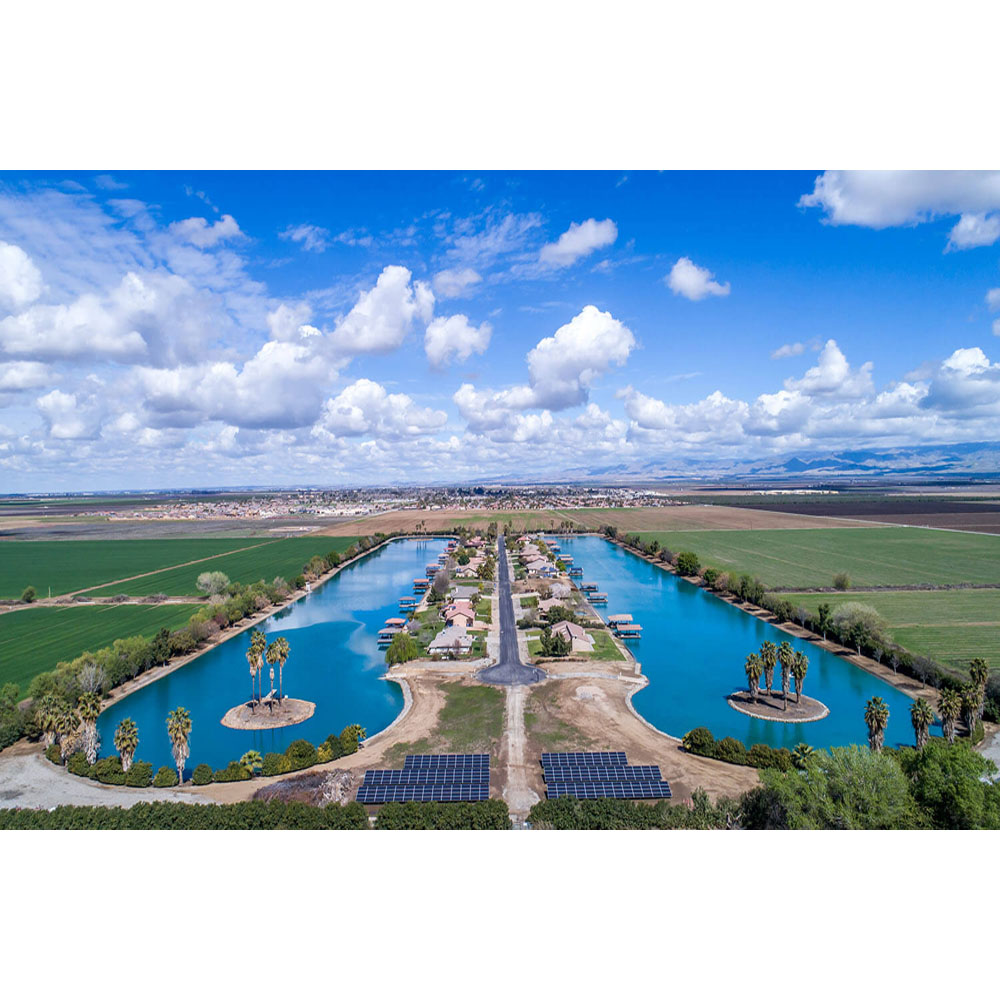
(596, 708)
(984, 523)
(269, 715)
(700, 517)
(446, 519)
(771, 706)
(29, 781)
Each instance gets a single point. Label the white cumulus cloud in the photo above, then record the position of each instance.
(364, 408)
(693, 282)
(455, 339)
(580, 240)
(788, 351)
(199, 233)
(20, 280)
(452, 283)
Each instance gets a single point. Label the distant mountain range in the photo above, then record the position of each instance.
(980, 459)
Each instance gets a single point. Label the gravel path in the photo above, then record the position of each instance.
(517, 792)
(28, 781)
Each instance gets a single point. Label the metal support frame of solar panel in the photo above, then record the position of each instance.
(609, 790)
(599, 757)
(629, 772)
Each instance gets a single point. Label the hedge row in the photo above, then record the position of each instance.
(702, 743)
(270, 815)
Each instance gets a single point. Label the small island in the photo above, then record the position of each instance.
(773, 708)
(287, 712)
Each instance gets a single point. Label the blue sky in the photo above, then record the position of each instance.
(186, 329)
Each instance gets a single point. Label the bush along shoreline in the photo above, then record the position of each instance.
(854, 625)
(301, 754)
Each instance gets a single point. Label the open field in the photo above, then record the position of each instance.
(70, 566)
(969, 513)
(872, 556)
(266, 560)
(952, 626)
(691, 517)
(448, 518)
(36, 639)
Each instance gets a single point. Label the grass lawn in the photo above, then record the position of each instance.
(604, 646)
(279, 557)
(484, 611)
(541, 724)
(35, 640)
(952, 626)
(810, 557)
(531, 601)
(67, 566)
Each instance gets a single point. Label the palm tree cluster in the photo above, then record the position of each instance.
(793, 665)
(259, 652)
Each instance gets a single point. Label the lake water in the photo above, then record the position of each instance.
(334, 662)
(693, 648)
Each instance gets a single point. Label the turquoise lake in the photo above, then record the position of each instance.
(693, 648)
(334, 662)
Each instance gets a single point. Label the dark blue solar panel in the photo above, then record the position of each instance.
(609, 790)
(599, 757)
(429, 778)
(601, 772)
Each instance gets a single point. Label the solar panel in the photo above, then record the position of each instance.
(429, 778)
(609, 790)
(599, 757)
(640, 772)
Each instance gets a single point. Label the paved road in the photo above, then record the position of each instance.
(509, 669)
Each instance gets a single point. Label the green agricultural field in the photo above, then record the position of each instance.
(810, 557)
(36, 639)
(68, 566)
(952, 626)
(280, 557)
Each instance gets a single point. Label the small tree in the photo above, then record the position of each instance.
(402, 648)
(688, 564)
(28, 595)
(212, 582)
(823, 618)
(252, 761)
(842, 581)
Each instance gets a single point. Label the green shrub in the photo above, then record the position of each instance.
(139, 775)
(731, 750)
(276, 763)
(760, 755)
(53, 754)
(108, 771)
(324, 754)
(301, 754)
(699, 741)
(493, 814)
(166, 777)
(688, 564)
(234, 771)
(78, 765)
(202, 775)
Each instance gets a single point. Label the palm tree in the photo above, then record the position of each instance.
(179, 729)
(754, 666)
(277, 652)
(89, 705)
(970, 706)
(949, 708)
(802, 755)
(876, 718)
(922, 716)
(126, 741)
(980, 674)
(255, 657)
(800, 667)
(252, 761)
(67, 724)
(785, 656)
(769, 656)
(49, 709)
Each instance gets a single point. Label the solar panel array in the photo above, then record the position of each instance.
(429, 778)
(601, 775)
